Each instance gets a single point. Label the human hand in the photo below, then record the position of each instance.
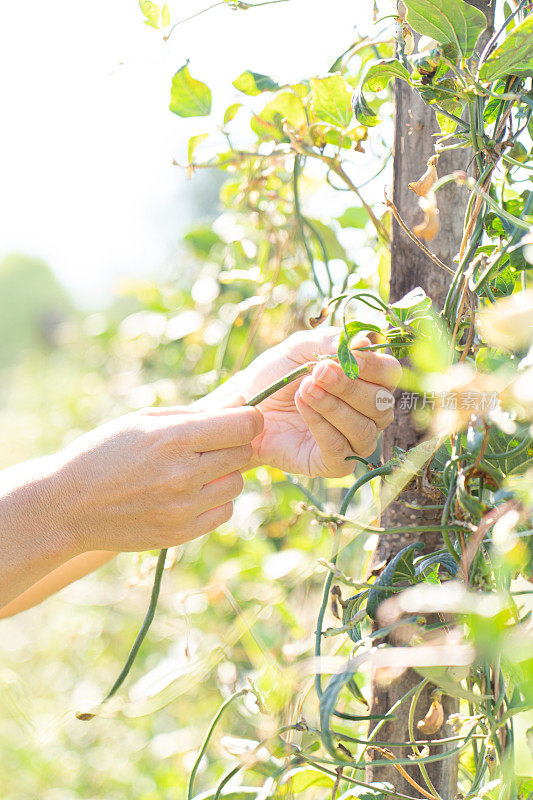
(312, 425)
(154, 478)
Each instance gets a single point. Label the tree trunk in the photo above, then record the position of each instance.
(415, 125)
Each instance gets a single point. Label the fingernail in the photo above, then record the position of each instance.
(325, 372)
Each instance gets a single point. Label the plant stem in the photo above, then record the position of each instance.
(160, 566)
(203, 748)
(411, 721)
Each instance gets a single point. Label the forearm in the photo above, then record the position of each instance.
(34, 536)
(62, 576)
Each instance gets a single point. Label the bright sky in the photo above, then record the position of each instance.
(86, 175)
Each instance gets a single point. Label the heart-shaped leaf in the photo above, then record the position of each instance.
(188, 96)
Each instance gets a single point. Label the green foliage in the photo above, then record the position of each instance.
(253, 83)
(448, 22)
(399, 571)
(376, 78)
(514, 56)
(330, 100)
(189, 97)
(155, 17)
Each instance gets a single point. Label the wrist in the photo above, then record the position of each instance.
(34, 535)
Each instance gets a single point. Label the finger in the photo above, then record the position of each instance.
(218, 430)
(360, 431)
(216, 463)
(209, 520)
(373, 401)
(219, 491)
(380, 368)
(332, 445)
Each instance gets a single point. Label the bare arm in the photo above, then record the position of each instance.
(148, 480)
(62, 576)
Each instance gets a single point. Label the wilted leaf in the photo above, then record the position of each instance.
(188, 96)
(514, 56)
(452, 21)
(253, 83)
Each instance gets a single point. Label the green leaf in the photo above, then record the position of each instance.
(253, 83)
(189, 97)
(446, 679)
(302, 778)
(349, 610)
(345, 355)
(374, 791)
(514, 56)
(194, 141)
(399, 569)
(151, 12)
(165, 16)
(330, 100)
(286, 106)
(354, 217)
(443, 559)
(376, 78)
(231, 111)
(329, 241)
(328, 702)
(447, 21)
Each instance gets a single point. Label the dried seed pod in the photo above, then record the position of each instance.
(430, 226)
(424, 185)
(314, 322)
(336, 601)
(433, 720)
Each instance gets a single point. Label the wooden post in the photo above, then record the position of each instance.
(414, 141)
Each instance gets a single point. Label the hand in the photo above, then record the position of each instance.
(312, 425)
(155, 478)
